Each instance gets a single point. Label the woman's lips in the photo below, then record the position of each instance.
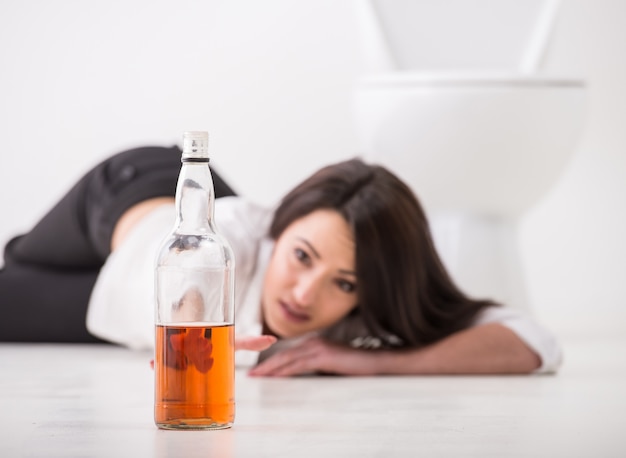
(292, 314)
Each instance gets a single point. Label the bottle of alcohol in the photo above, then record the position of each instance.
(194, 347)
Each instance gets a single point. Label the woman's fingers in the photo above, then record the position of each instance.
(318, 356)
(256, 343)
(294, 361)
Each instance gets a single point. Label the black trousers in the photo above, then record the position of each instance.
(49, 272)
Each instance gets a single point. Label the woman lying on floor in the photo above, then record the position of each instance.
(341, 277)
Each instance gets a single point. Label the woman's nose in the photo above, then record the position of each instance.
(307, 288)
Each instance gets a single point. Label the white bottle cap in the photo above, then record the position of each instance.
(196, 146)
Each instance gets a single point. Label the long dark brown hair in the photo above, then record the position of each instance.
(403, 289)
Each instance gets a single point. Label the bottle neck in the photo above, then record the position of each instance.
(195, 199)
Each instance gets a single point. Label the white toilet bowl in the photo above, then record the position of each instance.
(488, 144)
(478, 148)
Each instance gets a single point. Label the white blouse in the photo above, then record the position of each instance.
(121, 307)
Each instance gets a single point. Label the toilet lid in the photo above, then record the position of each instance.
(422, 78)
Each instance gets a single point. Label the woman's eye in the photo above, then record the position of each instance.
(346, 286)
(302, 256)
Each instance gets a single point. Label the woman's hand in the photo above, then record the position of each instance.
(487, 349)
(256, 343)
(318, 355)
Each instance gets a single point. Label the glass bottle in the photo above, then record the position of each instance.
(194, 347)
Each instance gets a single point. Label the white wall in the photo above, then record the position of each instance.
(271, 81)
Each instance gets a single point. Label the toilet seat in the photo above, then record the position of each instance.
(464, 79)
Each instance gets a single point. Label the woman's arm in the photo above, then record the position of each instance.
(487, 349)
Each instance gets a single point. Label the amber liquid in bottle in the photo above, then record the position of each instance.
(195, 380)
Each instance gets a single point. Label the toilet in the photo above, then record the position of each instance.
(479, 146)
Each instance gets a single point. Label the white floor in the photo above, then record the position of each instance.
(96, 401)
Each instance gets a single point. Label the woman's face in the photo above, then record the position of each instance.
(310, 282)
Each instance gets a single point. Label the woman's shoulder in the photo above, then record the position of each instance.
(240, 214)
(244, 224)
